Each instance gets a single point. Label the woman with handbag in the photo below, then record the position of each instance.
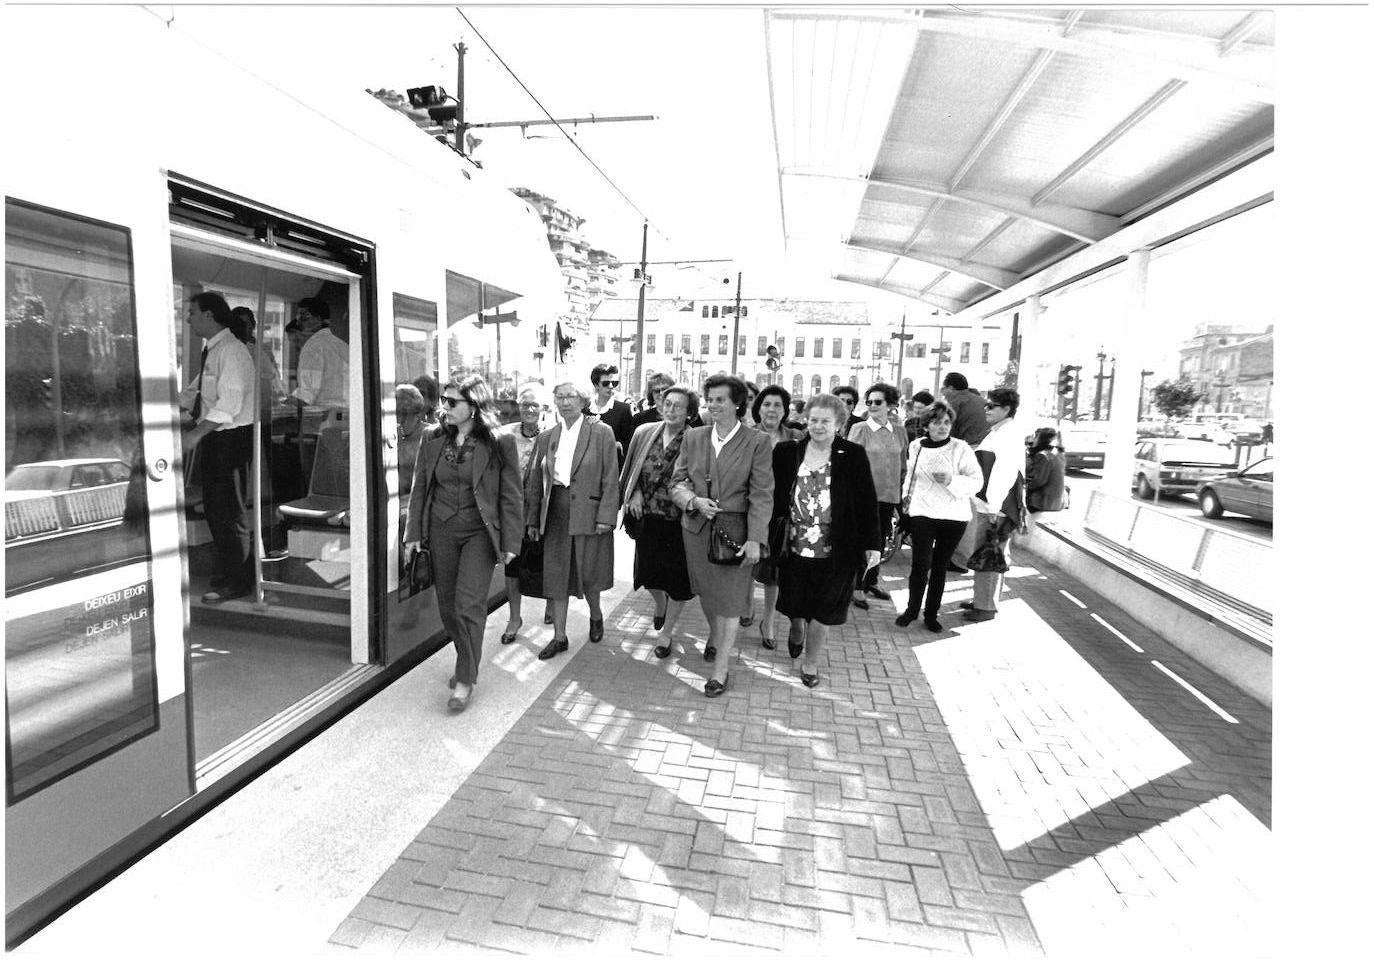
(651, 517)
(532, 403)
(465, 508)
(884, 439)
(723, 483)
(944, 475)
(999, 506)
(770, 410)
(824, 495)
(572, 494)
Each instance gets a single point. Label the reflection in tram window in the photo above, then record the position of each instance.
(417, 337)
(255, 657)
(78, 638)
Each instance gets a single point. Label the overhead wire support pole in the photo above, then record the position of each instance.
(734, 339)
(638, 384)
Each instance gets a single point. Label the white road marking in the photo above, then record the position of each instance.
(1072, 598)
(1099, 619)
(1210, 705)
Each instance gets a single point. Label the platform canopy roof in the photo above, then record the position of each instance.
(943, 154)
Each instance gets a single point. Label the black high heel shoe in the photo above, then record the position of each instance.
(715, 688)
(795, 649)
(810, 679)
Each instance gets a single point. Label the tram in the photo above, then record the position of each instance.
(144, 168)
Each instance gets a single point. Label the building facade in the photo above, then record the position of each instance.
(1231, 365)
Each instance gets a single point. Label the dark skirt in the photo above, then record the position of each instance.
(574, 565)
(661, 559)
(724, 590)
(815, 588)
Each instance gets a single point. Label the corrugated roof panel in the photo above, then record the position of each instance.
(1214, 24)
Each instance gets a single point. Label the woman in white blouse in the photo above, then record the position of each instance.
(943, 475)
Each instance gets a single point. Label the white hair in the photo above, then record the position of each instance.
(536, 389)
(581, 388)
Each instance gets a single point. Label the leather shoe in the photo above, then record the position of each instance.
(714, 688)
(878, 593)
(596, 630)
(979, 614)
(966, 605)
(658, 622)
(553, 648)
(459, 700)
(933, 624)
(905, 619)
(710, 653)
(795, 649)
(810, 679)
(861, 603)
(746, 620)
(508, 637)
(663, 651)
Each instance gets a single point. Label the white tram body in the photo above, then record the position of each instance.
(143, 167)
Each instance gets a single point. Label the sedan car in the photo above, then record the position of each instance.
(62, 475)
(1084, 449)
(1249, 492)
(1177, 465)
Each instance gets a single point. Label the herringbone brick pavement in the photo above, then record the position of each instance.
(941, 794)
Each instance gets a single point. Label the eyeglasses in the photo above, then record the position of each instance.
(450, 403)
(876, 402)
(993, 405)
(565, 396)
(607, 383)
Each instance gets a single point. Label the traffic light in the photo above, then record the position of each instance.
(431, 98)
(1065, 384)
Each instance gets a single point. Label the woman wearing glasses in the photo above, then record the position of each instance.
(571, 500)
(723, 481)
(660, 558)
(1000, 503)
(884, 440)
(532, 403)
(770, 410)
(824, 492)
(465, 503)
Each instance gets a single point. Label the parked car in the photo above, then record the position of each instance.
(1249, 492)
(1177, 465)
(61, 475)
(1084, 449)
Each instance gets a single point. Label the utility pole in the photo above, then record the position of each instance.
(461, 128)
(1097, 392)
(939, 359)
(639, 328)
(902, 337)
(734, 338)
(1111, 389)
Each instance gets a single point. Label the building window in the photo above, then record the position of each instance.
(920, 349)
(963, 351)
(715, 310)
(649, 342)
(763, 345)
(705, 345)
(723, 345)
(985, 353)
(911, 351)
(834, 383)
(855, 347)
(601, 344)
(819, 347)
(815, 385)
(801, 348)
(742, 350)
(796, 385)
(667, 344)
(837, 348)
(705, 311)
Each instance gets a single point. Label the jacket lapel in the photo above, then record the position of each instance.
(581, 449)
(481, 455)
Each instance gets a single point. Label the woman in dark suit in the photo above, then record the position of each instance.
(770, 410)
(723, 479)
(465, 502)
(572, 496)
(823, 490)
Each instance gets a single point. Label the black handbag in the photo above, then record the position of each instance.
(988, 556)
(420, 569)
(632, 525)
(721, 547)
(531, 578)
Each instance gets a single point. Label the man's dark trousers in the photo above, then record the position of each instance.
(225, 458)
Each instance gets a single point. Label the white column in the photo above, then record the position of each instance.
(1028, 378)
(1116, 477)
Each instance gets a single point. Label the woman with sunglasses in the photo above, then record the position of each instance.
(1000, 504)
(609, 409)
(770, 410)
(466, 503)
(884, 440)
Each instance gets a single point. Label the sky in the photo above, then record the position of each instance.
(704, 174)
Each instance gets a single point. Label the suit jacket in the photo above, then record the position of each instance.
(495, 483)
(741, 478)
(594, 493)
(634, 458)
(621, 421)
(854, 522)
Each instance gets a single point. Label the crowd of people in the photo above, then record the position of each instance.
(720, 488)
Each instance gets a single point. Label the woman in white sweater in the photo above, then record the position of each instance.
(942, 476)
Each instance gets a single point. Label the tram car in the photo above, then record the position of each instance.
(144, 168)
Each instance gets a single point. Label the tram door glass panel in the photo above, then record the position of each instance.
(79, 654)
(417, 337)
(256, 654)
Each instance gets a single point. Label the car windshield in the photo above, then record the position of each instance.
(31, 478)
(1264, 467)
(1195, 451)
(1082, 438)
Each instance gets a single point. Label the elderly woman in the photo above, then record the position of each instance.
(823, 490)
(465, 503)
(571, 499)
(944, 475)
(770, 412)
(723, 482)
(533, 403)
(410, 429)
(884, 439)
(660, 558)
(999, 504)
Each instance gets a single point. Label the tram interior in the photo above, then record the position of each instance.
(254, 657)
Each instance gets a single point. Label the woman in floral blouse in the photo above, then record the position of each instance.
(825, 498)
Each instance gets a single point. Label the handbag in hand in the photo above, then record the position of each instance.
(632, 525)
(721, 548)
(531, 580)
(420, 569)
(988, 556)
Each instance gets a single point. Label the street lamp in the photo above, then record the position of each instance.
(901, 337)
(1140, 399)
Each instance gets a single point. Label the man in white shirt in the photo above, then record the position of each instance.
(322, 370)
(217, 412)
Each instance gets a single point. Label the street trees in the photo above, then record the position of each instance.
(1175, 399)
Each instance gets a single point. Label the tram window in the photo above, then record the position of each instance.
(483, 335)
(417, 337)
(78, 637)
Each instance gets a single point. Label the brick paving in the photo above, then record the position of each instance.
(1024, 785)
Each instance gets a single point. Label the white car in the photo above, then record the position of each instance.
(1177, 465)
